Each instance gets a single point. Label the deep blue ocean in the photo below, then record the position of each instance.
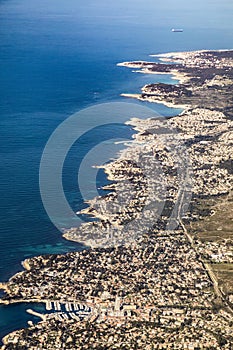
(56, 58)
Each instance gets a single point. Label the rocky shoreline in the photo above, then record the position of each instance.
(145, 274)
(205, 79)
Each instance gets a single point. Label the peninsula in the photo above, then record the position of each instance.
(158, 270)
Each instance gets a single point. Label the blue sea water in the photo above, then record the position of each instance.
(57, 57)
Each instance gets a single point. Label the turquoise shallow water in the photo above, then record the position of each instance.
(57, 57)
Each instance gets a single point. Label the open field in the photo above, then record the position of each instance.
(217, 227)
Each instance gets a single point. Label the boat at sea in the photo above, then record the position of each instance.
(177, 30)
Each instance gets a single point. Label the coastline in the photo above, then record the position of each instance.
(26, 265)
(184, 53)
(176, 75)
(167, 104)
(190, 120)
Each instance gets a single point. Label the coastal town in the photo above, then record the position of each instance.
(146, 279)
(205, 80)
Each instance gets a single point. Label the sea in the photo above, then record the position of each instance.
(58, 57)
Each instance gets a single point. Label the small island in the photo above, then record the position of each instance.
(158, 270)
